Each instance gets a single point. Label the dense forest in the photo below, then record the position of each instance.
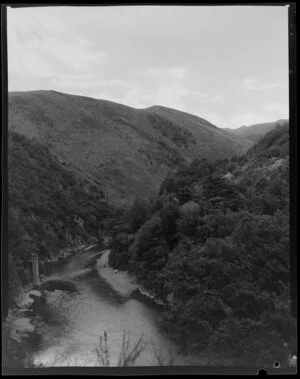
(49, 208)
(214, 247)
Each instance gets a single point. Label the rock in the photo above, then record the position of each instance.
(26, 301)
(57, 284)
(35, 293)
(170, 297)
(21, 328)
(293, 361)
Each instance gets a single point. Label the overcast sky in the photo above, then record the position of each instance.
(228, 65)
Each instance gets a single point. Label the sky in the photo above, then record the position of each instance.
(227, 64)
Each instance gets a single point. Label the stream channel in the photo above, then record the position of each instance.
(103, 302)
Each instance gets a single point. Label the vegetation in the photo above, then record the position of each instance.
(214, 247)
(128, 354)
(49, 208)
(179, 136)
(127, 150)
(256, 132)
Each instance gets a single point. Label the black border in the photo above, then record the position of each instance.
(176, 370)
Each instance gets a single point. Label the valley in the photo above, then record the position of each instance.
(174, 199)
(123, 150)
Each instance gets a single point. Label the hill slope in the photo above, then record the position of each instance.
(49, 209)
(255, 132)
(214, 247)
(127, 151)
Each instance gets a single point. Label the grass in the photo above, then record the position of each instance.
(116, 145)
(129, 352)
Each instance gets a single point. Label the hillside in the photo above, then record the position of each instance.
(49, 209)
(273, 143)
(125, 150)
(253, 133)
(214, 247)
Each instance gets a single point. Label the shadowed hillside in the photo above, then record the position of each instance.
(127, 151)
(214, 247)
(253, 133)
(49, 209)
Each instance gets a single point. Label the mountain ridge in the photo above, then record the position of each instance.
(128, 151)
(254, 132)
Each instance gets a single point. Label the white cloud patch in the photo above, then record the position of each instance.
(278, 109)
(247, 118)
(254, 85)
(117, 53)
(120, 91)
(72, 55)
(252, 118)
(217, 99)
(170, 96)
(38, 48)
(208, 97)
(176, 73)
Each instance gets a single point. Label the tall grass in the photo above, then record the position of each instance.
(129, 352)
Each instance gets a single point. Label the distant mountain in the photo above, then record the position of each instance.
(255, 132)
(273, 143)
(126, 151)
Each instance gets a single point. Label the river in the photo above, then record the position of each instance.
(102, 303)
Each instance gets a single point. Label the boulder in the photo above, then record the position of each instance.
(59, 284)
(21, 328)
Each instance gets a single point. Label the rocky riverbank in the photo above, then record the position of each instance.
(122, 282)
(23, 327)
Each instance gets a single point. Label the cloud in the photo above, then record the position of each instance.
(73, 55)
(254, 85)
(213, 118)
(43, 21)
(120, 91)
(176, 73)
(39, 49)
(217, 99)
(101, 52)
(209, 98)
(251, 118)
(167, 95)
(278, 109)
(246, 118)
(79, 81)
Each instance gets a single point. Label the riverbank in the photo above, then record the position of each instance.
(81, 318)
(103, 302)
(122, 282)
(29, 314)
(22, 329)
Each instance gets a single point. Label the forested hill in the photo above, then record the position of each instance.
(254, 132)
(214, 246)
(49, 209)
(128, 151)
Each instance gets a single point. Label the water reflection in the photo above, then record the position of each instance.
(81, 318)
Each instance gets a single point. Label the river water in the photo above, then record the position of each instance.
(79, 319)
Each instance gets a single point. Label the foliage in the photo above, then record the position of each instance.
(49, 207)
(128, 355)
(181, 137)
(218, 246)
(120, 147)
